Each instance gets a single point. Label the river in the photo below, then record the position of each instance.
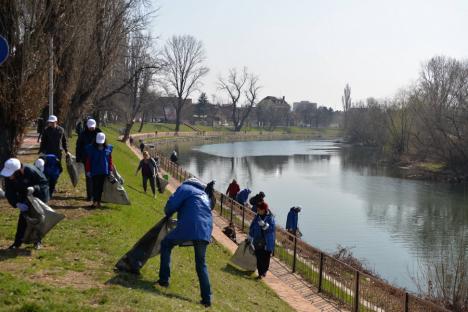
(394, 225)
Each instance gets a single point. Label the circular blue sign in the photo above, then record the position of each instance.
(4, 50)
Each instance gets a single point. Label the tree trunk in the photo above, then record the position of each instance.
(127, 130)
(10, 141)
(142, 122)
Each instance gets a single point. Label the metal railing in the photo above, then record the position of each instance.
(353, 289)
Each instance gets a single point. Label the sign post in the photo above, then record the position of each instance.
(4, 50)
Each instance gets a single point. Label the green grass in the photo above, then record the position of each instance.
(74, 270)
(433, 167)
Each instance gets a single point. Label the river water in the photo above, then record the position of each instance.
(395, 225)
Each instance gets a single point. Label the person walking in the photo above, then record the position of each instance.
(86, 137)
(21, 180)
(98, 165)
(52, 170)
(192, 203)
(292, 220)
(257, 200)
(233, 189)
(262, 236)
(53, 139)
(243, 196)
(142, 146)
(174, 157)
(149, 170)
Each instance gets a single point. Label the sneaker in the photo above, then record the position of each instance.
(205, 304)
(162, 283)
(38, 245)
(13, 247)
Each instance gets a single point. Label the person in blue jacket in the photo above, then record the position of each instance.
(262, 236)
(98, 165)
(52, 170)
(292, 220)
(243, 196)
(193, 205)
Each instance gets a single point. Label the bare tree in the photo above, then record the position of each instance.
(239, 85)
(184, 57)
(346, 102)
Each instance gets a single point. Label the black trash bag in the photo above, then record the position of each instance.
(40, 220)
(148, 246)
(244, 257)
(73, 169)
(161, 184)
(113, 192)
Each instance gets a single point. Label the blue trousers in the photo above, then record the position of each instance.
(200, 265)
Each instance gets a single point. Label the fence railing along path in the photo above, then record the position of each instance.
(353, 289)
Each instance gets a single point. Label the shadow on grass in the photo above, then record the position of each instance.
(135, 189)
(6, 254)
(132, 281)
(64, 197)
(235, 271)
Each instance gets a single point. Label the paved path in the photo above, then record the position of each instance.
(291, 288)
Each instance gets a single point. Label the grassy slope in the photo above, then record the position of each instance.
(325, 132)
(74, 270)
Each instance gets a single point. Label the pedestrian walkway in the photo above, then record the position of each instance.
(29, 145)
(291, 288)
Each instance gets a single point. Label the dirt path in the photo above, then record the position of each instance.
(291, 288)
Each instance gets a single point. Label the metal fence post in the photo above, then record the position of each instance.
(222, 200)
(356, 293)
(295, 254)
(243, 217)
(320, 273)
(406, 302)
(232, 208)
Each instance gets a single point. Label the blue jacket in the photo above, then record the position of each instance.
(243, 196)
(98, 161)
(52, 167)
(194, 219)
(291, 221)
(257, 233)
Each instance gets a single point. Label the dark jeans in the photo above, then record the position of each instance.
(98, 186)
(151, 180)
(89, 188)
(52, 183)
(263, 261)
(20, 229)
(200, 265)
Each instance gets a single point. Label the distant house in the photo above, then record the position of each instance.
(167, 108)
(304, 105)
(272, 112)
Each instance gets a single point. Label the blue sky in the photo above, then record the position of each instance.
(309, 50)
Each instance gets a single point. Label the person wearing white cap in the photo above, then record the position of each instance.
(53, 139)
(98, 165)
(86, 137)
(39, 164)
(21, 180)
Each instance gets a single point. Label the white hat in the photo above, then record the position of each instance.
(100, 138)
(11, 166)
(91, 123)
(52, 118)
(39, 164)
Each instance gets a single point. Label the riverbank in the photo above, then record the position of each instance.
(74, 270)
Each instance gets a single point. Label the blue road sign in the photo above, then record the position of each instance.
(4, 50)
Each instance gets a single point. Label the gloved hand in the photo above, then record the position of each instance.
(68, 155)
(265, 227)
(261, 223)
(249, 239)
(30, 190)
(22, 207)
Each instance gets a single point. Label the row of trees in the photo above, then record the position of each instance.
(427, 121)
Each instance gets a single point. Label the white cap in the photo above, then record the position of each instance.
(52, 118)
(39, 164)
(100, 138)
(91, 123)
(11, 166)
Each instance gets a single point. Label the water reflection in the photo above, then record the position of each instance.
(350, 198)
